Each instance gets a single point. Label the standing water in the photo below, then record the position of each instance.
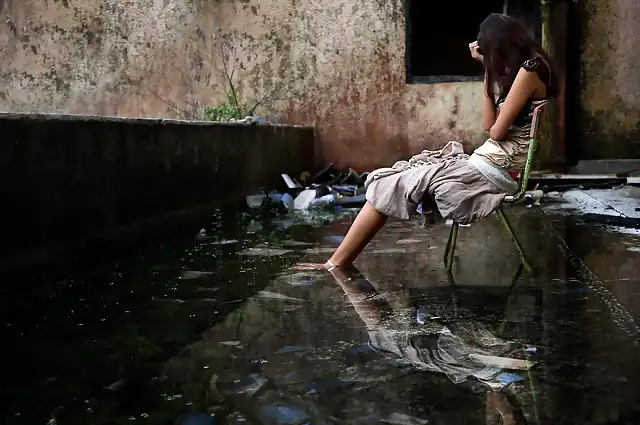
(217, 327)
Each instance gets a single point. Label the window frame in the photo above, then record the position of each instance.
(432, 79)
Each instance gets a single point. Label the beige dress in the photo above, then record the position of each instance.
(462, 188)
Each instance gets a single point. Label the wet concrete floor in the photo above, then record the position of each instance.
(223, 330)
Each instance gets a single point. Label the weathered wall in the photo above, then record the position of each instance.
(69, 179)
(336, 65)
(607, 122)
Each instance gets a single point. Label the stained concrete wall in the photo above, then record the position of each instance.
(69, 179)
(606, 115)
(339, 66)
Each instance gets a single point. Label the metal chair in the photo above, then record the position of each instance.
(522, 189)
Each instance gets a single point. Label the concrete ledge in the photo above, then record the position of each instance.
(65, 178)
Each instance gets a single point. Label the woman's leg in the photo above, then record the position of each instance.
(368, 222)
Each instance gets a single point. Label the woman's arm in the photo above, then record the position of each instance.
(488, 110)
(522, 89)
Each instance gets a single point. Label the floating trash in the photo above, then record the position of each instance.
(231, 343)
(224, 242)
(265, 252)
(202, 235)
(508, 378)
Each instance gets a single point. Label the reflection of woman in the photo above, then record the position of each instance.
(518, 77)
(430, 347)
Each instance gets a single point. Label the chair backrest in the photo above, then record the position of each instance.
(538, 113)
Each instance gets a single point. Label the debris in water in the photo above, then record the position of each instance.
(287, 201)
(115, 385)
(276, 296)
(265, 252)
(231, 343)
(224, 242)
(202, 235)
(531, 350)
(502, 362)
(193, 274)
(291, 184)
(304, 199)
(402, 419)
(508, 378)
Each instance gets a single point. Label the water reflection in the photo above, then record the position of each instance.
(432, 344)
(222, 329)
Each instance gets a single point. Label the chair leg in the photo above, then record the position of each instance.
(451, 246)
(509, 230)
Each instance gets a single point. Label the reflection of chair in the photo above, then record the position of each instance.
(522, 188)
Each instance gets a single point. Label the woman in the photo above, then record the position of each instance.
(518, 76)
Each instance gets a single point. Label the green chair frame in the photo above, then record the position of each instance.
(520, 193)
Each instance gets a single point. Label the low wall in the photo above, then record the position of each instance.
(68, 178)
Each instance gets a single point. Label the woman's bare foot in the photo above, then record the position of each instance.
(317, 266)
(309, 266)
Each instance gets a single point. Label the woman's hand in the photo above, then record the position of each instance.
(475, 52)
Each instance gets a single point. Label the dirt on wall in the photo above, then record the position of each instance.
(606, 119)
(338, 65)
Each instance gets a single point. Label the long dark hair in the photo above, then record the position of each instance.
(505, 44)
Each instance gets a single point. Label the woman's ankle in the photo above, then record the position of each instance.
(333, 264)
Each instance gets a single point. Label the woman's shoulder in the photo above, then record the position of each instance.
(534, 64)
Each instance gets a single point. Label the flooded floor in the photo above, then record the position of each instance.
(221, 330)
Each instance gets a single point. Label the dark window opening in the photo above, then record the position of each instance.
(438, 33)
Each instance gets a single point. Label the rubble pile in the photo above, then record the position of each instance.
(328, 188)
